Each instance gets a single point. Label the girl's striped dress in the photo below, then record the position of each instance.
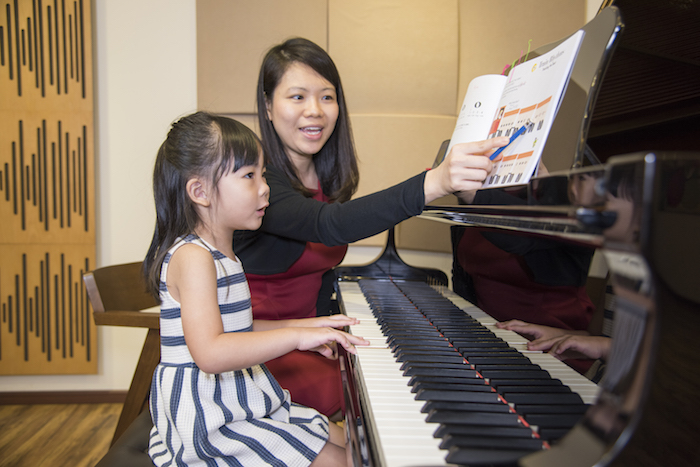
(241, 418)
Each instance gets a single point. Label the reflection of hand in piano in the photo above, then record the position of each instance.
(574, 346)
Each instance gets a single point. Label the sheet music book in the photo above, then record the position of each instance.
(498, 105)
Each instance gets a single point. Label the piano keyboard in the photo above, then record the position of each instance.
(405, 435)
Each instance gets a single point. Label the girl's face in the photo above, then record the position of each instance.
(303, 109)
(242, 197)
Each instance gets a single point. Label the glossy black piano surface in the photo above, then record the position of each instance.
(646, 413)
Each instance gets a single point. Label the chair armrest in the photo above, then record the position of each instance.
(135, 319)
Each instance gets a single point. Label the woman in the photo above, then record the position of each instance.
(312, 173)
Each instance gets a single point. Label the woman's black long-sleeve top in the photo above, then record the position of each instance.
(292, 219)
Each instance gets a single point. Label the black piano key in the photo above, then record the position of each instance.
(506, 367)
(479, 387)
(488, 343)
(413, 370)
(499, 360)
(483, 442)
(431, 358)
(570, 398)
(473, 418)
(494, 407)
(445, 366)
(493, 431)
(445, 379)
(534, 389)
(399, 341)
(419, 344)
(498, 382)
(485, 457)
(489, 352)
(553, 420)
(525, 374)
(525, 409)
(456, 396)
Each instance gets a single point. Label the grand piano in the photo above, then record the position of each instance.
(440, 385)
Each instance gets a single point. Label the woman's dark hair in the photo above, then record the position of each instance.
(335, 163)
(198, 145)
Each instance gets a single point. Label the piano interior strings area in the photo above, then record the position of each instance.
(441, 385)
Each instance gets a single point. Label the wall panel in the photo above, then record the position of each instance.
(232, 38)
(396, 56)
(47, 233)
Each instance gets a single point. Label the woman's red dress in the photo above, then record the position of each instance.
(312, 380)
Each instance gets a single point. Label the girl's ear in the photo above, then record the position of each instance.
(197, 192)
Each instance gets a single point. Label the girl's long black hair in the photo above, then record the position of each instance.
(336, 162)
(198, 145)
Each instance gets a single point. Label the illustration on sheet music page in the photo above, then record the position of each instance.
(522, 106)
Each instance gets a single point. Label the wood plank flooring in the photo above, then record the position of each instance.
(75, 435)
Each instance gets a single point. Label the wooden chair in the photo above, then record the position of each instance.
(118, 296)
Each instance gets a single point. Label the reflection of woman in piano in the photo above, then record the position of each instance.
(593, 343)
(536, 280)
(312, 173)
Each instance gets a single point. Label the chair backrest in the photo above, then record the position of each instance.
(119, 288)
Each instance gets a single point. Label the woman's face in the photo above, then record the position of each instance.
(303, 109)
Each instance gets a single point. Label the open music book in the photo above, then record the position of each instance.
(525, 103)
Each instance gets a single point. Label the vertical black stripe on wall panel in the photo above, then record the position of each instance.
(23, 217)
(57, 48)
(65, 47)
(85, 180)
(70, 310)
(88, 334)
(10, 64)
(17, 47)
(41, 48)
(2, 46)
(37, 313)
(17, 303)
(14, 178)
(36, 46)
(30, 44)
(34, 180)
(82, 49)
(68, 180)
(25, 302)
(61, 303)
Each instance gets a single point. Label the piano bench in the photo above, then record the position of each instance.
(131, 448)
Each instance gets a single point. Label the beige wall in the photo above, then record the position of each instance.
(405, 66)
(146, 76)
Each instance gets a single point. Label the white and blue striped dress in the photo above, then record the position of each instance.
(240, 418)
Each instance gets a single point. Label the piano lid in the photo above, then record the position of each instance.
(650, 96)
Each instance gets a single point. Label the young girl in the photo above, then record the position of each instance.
(212, 401)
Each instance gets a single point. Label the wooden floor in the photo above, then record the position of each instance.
(56, 435)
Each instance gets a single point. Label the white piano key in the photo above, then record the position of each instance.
(405, 439)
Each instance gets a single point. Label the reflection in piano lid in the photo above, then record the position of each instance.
(639, 207)
(654, 349)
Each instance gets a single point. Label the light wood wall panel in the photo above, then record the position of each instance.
(392, 148)
(47, 233)
(405, 66)
(396, 56)
(495, 33)
(234, 35)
